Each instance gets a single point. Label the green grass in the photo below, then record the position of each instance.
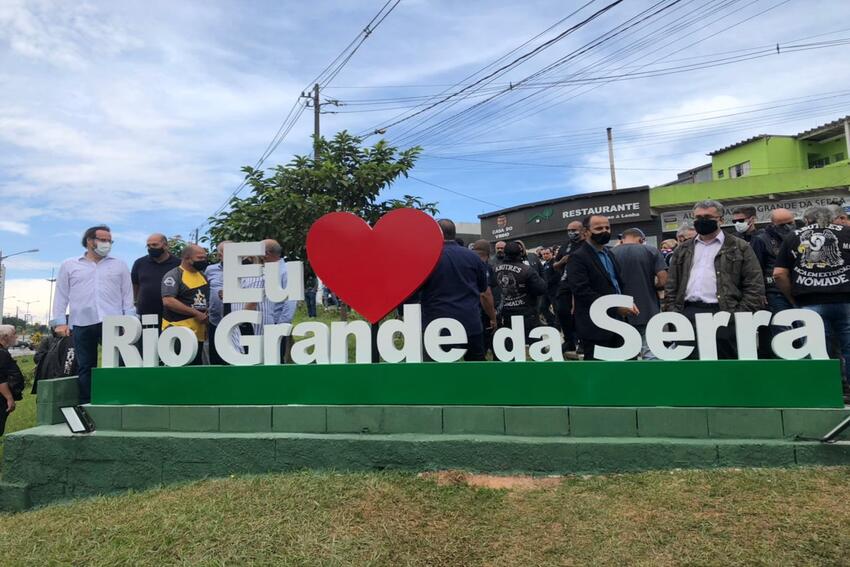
(727, 517)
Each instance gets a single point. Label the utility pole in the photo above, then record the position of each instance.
(52, 280)
(611, 159)
(847, 137)
(317, 110)
(3, 275)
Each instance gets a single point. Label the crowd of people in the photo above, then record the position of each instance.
(784, 265)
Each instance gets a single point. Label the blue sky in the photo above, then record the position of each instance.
(140, 114)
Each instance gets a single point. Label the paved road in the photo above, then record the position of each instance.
(16, 352)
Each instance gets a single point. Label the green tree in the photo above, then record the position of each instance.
(176, 244)
(287, 200)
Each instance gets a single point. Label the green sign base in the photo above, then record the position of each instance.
(724, 383)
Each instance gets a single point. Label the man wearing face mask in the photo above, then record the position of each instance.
(147, 274)
(592, 271)
(713, 273)
(744, 219)
(563, 295)
(94, 285)
(185, 295)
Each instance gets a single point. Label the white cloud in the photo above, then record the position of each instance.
(14, 226)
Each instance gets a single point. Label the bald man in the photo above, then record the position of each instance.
(147, 274)
(185, 295)
(766, 244)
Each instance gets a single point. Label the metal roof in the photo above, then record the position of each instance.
(828, 130)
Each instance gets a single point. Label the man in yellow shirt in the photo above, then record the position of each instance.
(185, 295)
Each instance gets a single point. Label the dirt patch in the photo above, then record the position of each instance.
(457, 478)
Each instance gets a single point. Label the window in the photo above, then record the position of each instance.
(739, 170)
(815, 161)
(838, 157)
(719, 174)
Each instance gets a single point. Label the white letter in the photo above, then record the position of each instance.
(362, 342)
(319, 342)
(410, 330)
(188, 346)
(116, 342)
(599, 316)
(812, 331)
(746, 332)
(234, 270)
(707, 325)
(150, 336)
(516, 332)
(548, 347)
(225, 347)
(434, 341)
(294, 281)
(656, 336)
(272, 335)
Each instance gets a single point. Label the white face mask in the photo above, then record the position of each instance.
(102, 249)
(742, 226)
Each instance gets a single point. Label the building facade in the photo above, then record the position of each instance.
(766, 172)
(544, 223)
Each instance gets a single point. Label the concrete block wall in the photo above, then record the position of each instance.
(536, 421)
(54, 394)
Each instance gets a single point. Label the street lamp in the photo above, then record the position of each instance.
(3, 275)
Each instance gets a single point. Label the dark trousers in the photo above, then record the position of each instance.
(215, 358)
(590, 346)
(545, 307)
(310, 301)
(726, 347)
(3, 415)
(86, 340)
(564, 308)
(475, 347)
(776, 302)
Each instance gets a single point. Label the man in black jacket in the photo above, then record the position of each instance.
(521, 285)
(592, 272)
(11, 378)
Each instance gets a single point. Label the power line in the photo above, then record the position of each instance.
(454, 191)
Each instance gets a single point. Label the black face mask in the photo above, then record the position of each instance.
(705, 226)
(200, 265)
(156, 252)
(601, 238)
(784, 229)
(574, 236)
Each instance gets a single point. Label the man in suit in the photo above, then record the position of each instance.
(592, 272)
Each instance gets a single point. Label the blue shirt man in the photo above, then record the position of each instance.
(456, 289)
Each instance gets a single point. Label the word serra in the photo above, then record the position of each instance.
(442, 340)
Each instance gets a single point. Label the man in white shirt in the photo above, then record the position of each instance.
(273, 313)
(94, 285)
(714, 272)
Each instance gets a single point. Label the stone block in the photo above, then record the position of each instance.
(105, 417)
(777, 454)
(194, 418)
(745, 423)
(617, 455)
(485, 420)
(145, 418)
(14, 497)
(672, 422)
(245, 419)
(812, 423)
(300, 419)
(829, 454)
(603, 422)
(44, 414)
(355, 419)
(537, 421)
(412, 419)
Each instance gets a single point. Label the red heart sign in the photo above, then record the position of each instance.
(374, 269)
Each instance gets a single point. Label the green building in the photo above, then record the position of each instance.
(765, 171)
